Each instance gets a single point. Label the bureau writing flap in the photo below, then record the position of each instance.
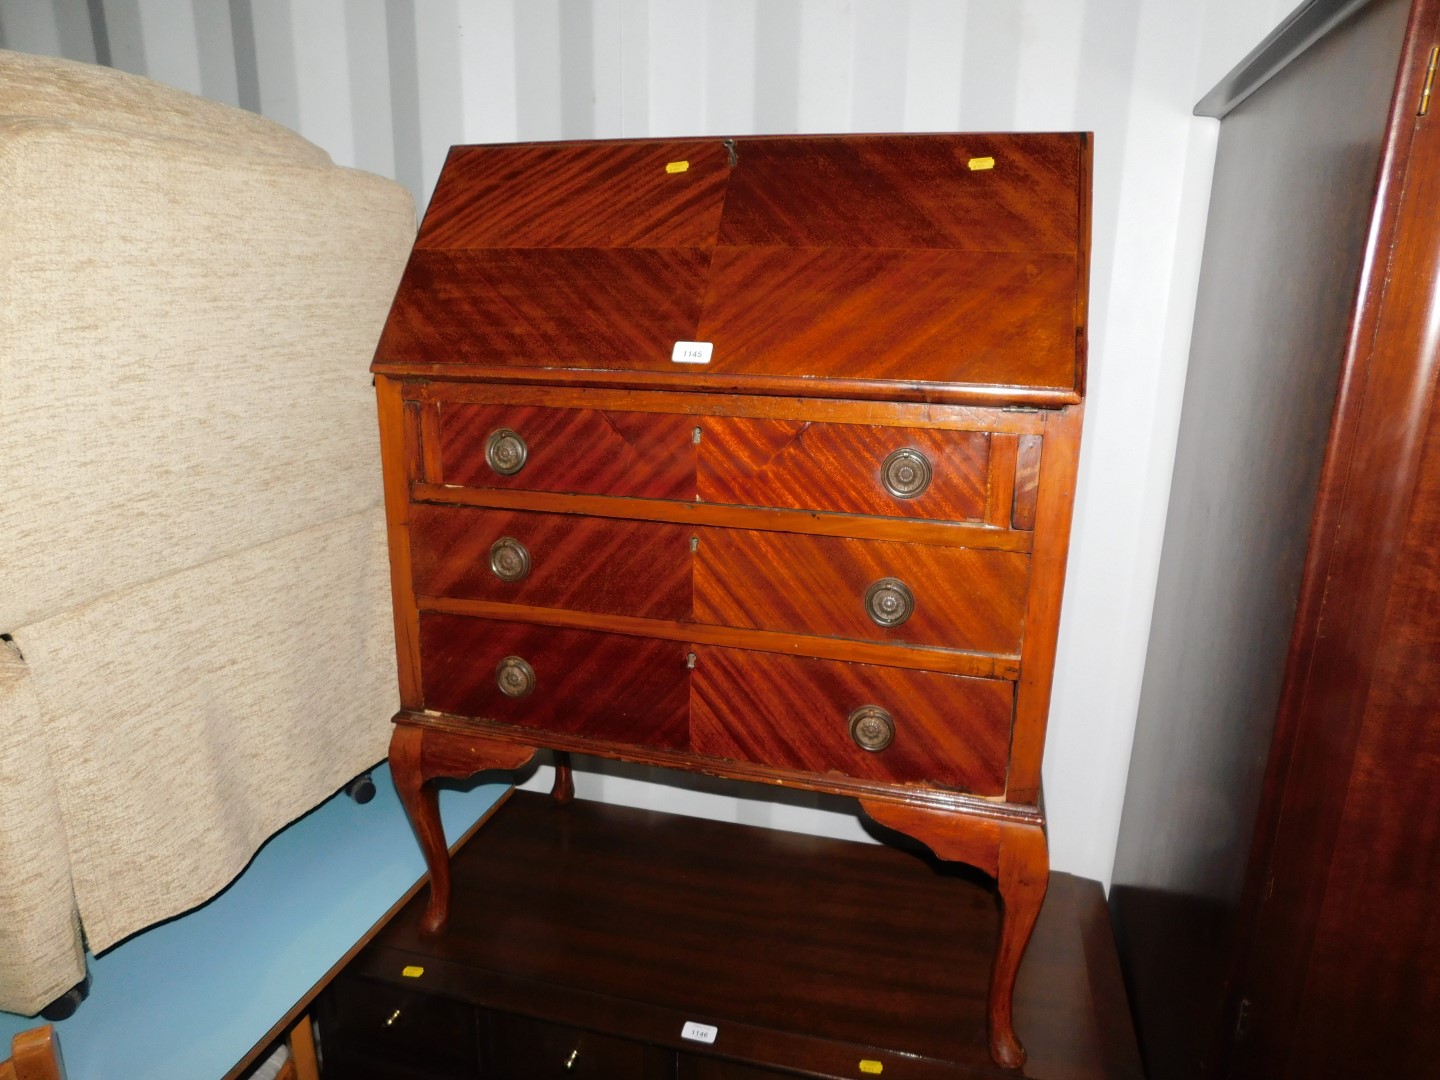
(941, 267)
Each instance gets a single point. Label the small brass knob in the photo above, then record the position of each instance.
(509, 561)
(505, 452)
(906, 473)
(872, 728)
(889, 602)
(514, 677)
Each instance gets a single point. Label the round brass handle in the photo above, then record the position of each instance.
(509, 561)
(514, 677)
(505, 451)
(872, 728)
(889, 602)
(906, 473)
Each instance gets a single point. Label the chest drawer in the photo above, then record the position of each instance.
(870, 590)
(846, 468)
(525, 1049)
(577, 451)
(608, 686)
(639, 568)
(372, 1030)
(919, 473)
(798, 713)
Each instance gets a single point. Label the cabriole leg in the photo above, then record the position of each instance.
(423, 808)
(419, 755)
(1015, 854)
(563, 789)
(1023, 878)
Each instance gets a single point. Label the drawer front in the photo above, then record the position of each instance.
(792, 712)
(639, 568)
(578, 451)
(843, 467)
(605, 686)
(525, 1049)
(957, 597)
(370, 1029)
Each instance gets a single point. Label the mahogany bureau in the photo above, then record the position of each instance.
(753, 457)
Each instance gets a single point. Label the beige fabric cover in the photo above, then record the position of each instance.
(175, 773)
(85, 94)
(41, 955)
(190, 545)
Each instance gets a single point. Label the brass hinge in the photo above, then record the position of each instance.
(1429, 80)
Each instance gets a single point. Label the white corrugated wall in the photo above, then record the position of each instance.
(389, 85)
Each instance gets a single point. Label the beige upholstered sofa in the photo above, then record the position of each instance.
(193, 588)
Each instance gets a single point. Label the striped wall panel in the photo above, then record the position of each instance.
(389, 85)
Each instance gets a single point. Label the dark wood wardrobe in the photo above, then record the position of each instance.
(1277, 879)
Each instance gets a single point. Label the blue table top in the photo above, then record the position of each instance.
(187, 999)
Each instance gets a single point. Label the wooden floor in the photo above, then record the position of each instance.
(805, 953)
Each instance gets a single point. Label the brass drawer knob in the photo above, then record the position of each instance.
(509, 561)
(514, 677)
(889, 602)
(505, 452)
(872, 728)
(906, 473)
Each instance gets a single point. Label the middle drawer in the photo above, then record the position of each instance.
(603, 565)
(865, 590)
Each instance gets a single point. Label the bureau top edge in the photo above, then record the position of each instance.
(1025, 398)
(943, 268)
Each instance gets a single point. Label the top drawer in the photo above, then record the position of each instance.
(847, 468)
(786, 464)
(580, 451)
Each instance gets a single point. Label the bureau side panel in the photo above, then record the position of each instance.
(1055, 501)
(399, 438)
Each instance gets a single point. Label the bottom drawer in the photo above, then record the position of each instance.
(605, 686)
(525, 1049)
(793, 712)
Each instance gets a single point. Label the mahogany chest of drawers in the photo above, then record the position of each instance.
(753, 457)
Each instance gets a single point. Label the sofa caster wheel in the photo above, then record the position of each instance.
(361, 789)
(64, 1006)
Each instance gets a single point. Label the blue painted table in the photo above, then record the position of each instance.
(189, 998)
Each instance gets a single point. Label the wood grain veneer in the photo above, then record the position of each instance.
(949, 731)
(635, 454)
(991, 317)
(888, 191)
(585, 195)
(964, 599)
(626, 689)
(836, 467)
(639, 568)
